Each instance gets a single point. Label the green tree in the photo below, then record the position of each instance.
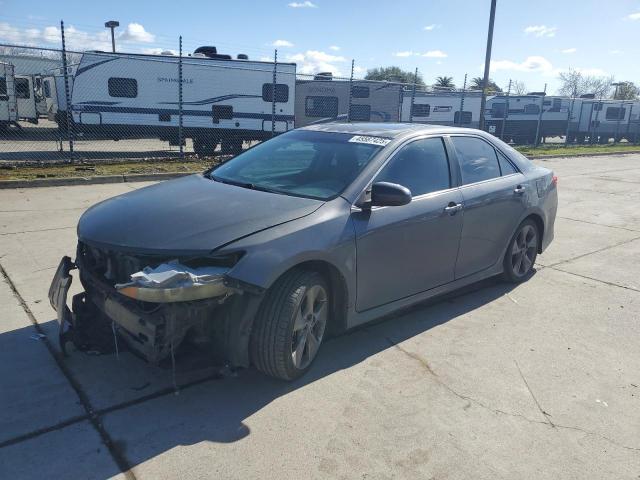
(444, 82)
(393, 74)
(477, 82)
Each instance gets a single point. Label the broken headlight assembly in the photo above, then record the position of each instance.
(180, 280)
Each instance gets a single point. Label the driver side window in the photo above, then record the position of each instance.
(421, 166)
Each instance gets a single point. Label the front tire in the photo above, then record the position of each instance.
(522, 252)
(290, 325)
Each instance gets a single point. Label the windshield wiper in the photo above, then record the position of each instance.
(249, 185)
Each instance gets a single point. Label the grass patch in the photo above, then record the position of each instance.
(98, 169)
(563, 151)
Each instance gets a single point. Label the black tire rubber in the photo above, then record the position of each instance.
(508, 274)
(270, 344)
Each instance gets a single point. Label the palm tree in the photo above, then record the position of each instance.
(444, 82)
(477, 82)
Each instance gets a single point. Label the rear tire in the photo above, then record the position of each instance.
(203, 146)
(522, 252)
(290, 325)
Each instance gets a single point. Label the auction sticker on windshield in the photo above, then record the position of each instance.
(371, 140)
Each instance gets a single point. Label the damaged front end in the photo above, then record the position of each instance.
(154, 304)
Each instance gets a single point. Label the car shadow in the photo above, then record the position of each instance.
(209, 410)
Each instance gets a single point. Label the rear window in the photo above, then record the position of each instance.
(421, 110)
(123, 87)
(615, 113)
(322, 107)
(281, 91)
(358, 91)
(360, 113)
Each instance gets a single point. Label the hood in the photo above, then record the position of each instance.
(187, 215)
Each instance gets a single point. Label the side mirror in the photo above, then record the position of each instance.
(385, 194)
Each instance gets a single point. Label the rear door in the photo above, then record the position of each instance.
(408, 249)
(494, 194)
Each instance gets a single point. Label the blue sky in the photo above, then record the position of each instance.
(533, 40)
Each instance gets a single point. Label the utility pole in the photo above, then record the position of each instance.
(487, 63)
(112, 24)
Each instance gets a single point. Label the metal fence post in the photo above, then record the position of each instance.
(506, 111)
(180, 138)
(413, 95)
(629, 122)
(595, 122)
(542, 97)
(67, 93)
(464, 89)
(353, 62)
(620, 107)
(569, 115)
(273, 93)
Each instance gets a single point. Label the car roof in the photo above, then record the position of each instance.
(386, 130)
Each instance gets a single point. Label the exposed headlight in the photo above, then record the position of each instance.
(176, 282)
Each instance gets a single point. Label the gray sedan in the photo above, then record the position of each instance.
(312, 233)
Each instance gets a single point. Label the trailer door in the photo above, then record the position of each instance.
(585, 117)
(25, 97)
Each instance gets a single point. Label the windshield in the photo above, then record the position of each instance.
(302, 162)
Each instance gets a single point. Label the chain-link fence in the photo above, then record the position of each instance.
(62, 105)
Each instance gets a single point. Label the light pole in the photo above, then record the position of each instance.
(487, 62)
(616, 84)
(112, 24)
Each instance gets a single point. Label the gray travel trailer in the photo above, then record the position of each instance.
(598, 121)
(514, 118)
(8, 103)
(442, 107)
(225, 100)
(324, 99)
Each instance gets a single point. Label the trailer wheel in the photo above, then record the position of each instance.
(204, 146)
(231, 147)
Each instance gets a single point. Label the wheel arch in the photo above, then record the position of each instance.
(537, 219)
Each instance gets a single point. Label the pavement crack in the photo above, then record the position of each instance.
(454, 392)
(544, 414)
(598, 224)
(90, 412)
(599, 250)
(586, 277)
(36, 231)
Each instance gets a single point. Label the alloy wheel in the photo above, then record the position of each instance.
(308, 326)
(523, 251)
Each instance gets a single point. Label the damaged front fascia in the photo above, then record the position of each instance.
(153, 332)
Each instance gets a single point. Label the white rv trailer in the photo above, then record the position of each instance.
(600, 120)
(8, 104)
(442, 108)
(520, 123)
(326, 99)
(224, 100)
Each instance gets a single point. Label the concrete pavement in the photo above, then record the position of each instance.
(537, 381)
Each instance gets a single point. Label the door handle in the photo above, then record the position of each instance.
(453, 208)
(519, 190)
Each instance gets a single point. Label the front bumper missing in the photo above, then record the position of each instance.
(152, 331)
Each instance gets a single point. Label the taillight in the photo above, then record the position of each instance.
(554, 180)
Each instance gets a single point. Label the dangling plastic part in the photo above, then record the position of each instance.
(115, 339)
(173, 370)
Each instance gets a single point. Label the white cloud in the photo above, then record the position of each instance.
(335, 48)
(159, 51)
(596, 72)
(435, 54)
(569, 50)
(429, 54)
(633, 16)
(281, 43)
(266, 59)
(135, 33)
(615, 52)
(306, 4)
(407, 53)
(431, 27)
(530, 64)
(314, 61)
(541, 31)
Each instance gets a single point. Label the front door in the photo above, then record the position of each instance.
(408, 249)
(494, 196)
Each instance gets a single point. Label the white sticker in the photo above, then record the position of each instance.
(371, 140)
